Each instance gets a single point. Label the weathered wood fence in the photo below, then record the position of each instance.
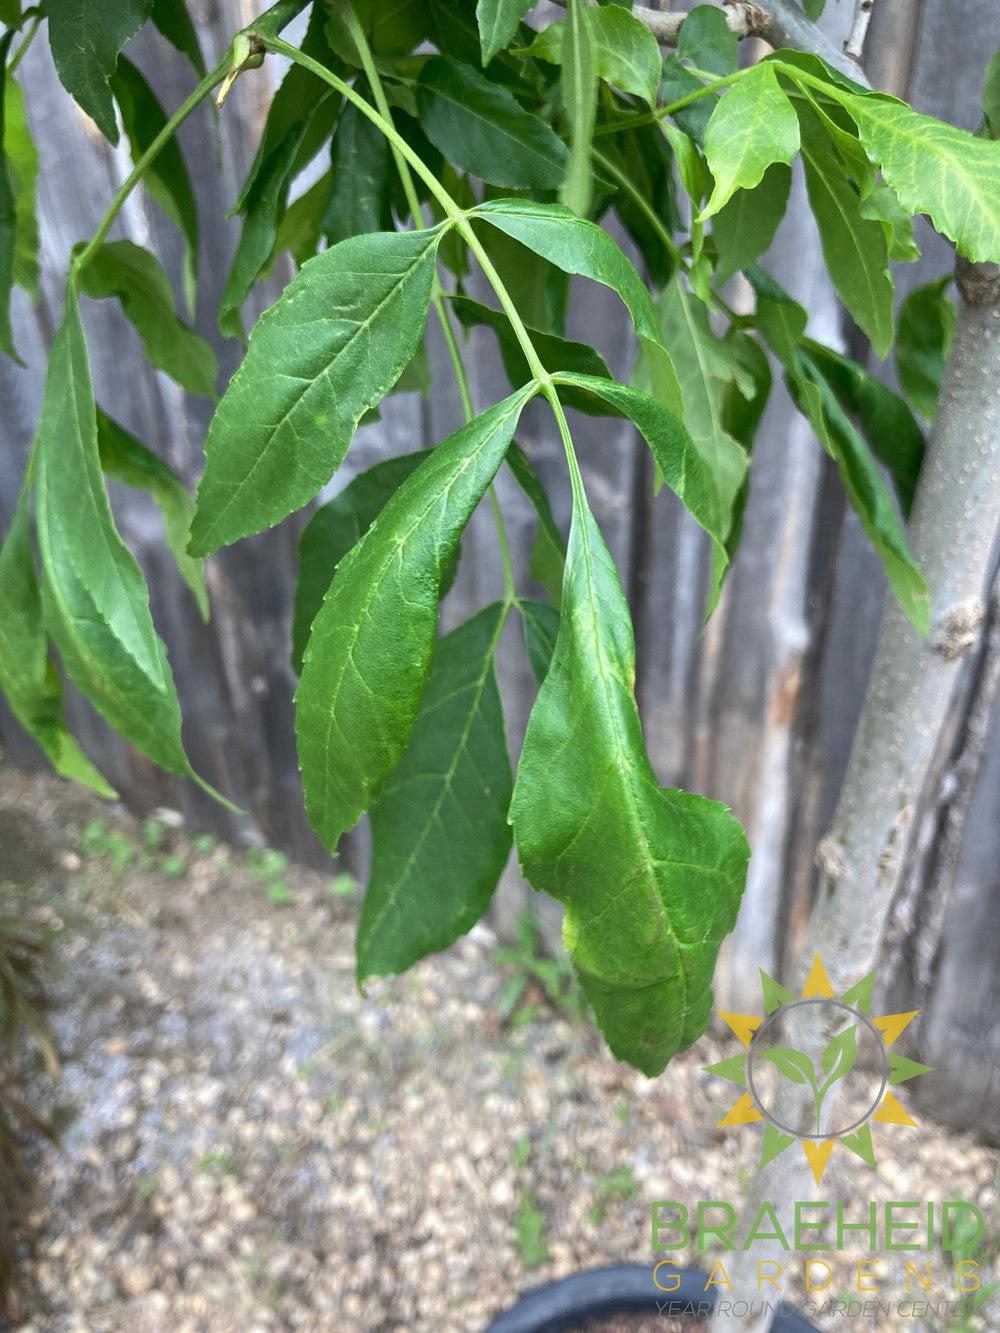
(758, 710)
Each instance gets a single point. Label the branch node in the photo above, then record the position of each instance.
(830, 860)
(958, 631)
(979, 284)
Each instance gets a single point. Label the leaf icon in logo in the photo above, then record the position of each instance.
(840, 1056)
(792, 1064)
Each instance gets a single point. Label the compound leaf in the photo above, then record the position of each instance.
(753, 126)
(650, 879)
(440, 836)
(480, 127)
(328, 350)
(126, 459)
(86, 37)
(366, 664)
(127, 271)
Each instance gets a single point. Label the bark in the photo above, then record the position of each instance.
(952, 533)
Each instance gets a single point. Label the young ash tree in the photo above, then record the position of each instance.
(452, 148)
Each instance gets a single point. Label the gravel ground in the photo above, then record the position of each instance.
(248, 1144)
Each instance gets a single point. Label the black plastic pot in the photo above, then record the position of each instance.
(621, 1289)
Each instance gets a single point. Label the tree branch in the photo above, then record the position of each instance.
(859, 28)
(952, 534)
(777, 22)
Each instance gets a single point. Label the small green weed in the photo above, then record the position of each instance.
(343, 886)
(617, 1185)
(218, 1162)
(533, 971)
(529, 1228)
(98, 840)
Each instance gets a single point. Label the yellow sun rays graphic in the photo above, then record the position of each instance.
(885, 1110)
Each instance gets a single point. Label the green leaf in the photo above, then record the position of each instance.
(393, 27)
(554, 353)
(499, 21)
(361, 165)
(707, 41)
(642, 155)
(745, 227)
(885, 420)
(926, 328)
(579, 246)
(430, 881)
(94, 596)
(10, 12)
(539, 291)
(753, 126)
(936, 169)
(173, 21)
(541, 628)
(370, 648)
(650, 879)
(814, 8)
(27, 677)
(481, 128)
(300, 229)
(579, 105)
(166, 177)
(855, 248)
(8, 216)
(331, 532)
(126, 459)
(302, 95)
(330, 348)
(881, 204)
(678, 460)
(840, 1055)
(86, 37)
(127, 271)
(991, 95)
(791, 1064)
(626, 52)
(704, 365)
(863, 483)
(22, 164)
(263, 209)
(691, 167)
(548, 554)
